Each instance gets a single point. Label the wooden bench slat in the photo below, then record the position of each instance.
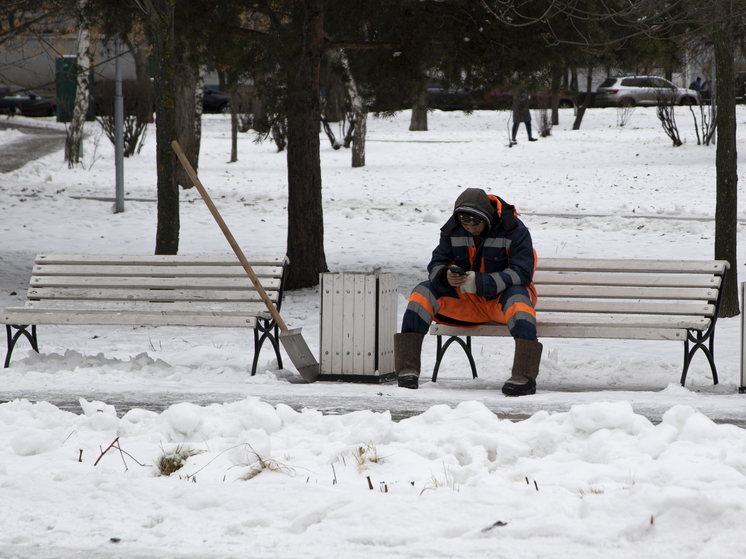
(581, 306)
(604, 292)
(715, 267)
(257, 309)
(171, 282)
(569, 320)
(631, 321)
(133, 270)
(160, 259)
(632, 280)
(136, 318)
(74, 293)
(572, 331)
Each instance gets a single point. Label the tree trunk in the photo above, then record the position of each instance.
(556, 81)
(418, 122)
(199, 94)
(360, 113)
(161, 19)
(358, 144)
(305, 211)
(233, 92)
(586, 101)
(186, 83)
(75, 130)
(726, 168)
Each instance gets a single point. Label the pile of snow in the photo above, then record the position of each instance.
(273, 482)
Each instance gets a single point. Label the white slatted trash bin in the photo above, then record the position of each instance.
(358, 323)
(742, 388)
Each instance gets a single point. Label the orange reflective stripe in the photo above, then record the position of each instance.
(520, 307)
(422, 301)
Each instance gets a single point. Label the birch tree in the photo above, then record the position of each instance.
(74, 140)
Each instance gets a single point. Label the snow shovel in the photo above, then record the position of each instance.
(291, 340)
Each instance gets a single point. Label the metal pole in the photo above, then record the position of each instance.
(742, 388)
(119, 132)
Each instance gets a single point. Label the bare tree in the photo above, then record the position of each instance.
(664, 110)
(85, 60)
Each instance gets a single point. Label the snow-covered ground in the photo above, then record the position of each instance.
(615, 459)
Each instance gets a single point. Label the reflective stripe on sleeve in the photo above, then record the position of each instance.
(513, 276)
(435, 272)
(499, 283)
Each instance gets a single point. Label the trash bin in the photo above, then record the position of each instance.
(742, 388)
(67, 88)
(358, 323)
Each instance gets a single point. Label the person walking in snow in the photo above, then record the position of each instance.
(495, 252)
(522, 113)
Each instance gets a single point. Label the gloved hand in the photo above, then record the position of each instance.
(470, 285)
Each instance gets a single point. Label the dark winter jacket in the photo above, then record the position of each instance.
(504, 255)
(521, 106)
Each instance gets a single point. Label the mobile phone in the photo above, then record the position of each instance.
(457, 270)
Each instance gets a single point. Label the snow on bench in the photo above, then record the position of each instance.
(100, 290)
(617, 299)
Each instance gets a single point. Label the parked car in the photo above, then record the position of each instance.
(471, 99)
(214, 101)
(452, 99)
(628, 91)
(19, 101)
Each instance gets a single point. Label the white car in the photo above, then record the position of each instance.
(628, 91)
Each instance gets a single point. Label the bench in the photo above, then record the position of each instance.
(194, 291)
(616, 299)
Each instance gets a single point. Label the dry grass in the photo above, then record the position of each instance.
(436, 483)
(170, 462)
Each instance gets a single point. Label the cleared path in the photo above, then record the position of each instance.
(36, 142)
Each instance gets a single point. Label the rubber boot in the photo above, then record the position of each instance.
(525, 368)
(407, 350)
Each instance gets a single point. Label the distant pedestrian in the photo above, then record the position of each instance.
(522, 113)
(696, 85)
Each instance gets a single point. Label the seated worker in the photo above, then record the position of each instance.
(486, 239)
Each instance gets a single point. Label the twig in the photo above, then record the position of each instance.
(105, 451)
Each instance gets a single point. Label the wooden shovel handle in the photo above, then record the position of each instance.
(234, 245)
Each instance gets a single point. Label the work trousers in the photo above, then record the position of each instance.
(514, 307)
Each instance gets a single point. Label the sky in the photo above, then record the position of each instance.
(611, 458)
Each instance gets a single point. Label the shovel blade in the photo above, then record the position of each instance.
(302, 358)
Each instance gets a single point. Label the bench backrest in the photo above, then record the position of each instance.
(103, 281)
(659, 287)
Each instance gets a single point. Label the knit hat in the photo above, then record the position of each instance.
(475, 201)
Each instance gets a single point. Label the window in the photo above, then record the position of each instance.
(660, 83)
(631, 82)
(608, 82)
